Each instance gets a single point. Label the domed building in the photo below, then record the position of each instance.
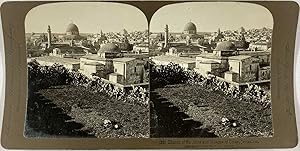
(69, 44)
(109, 50)
(72, 33)
(190, 31)
(226, 62)
(190, 28)
(225, 45)
(72, 29)
(225, 48)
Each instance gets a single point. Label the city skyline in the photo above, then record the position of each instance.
(90, 17)
(206, 16)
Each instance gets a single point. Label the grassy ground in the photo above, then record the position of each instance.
(208, 108)
(87, 111)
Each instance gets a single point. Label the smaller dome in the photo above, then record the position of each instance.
(225, 45)
(190, 27)
(110, 48)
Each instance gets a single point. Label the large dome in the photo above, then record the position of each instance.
(225, 45)
(109, 48)
(190, 27)
(72, 29)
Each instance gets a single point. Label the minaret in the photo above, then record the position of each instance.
(49, 36)
(101, 33)
(166, 36)
(219, 31)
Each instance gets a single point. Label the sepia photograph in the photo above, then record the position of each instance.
(210, 70)
(88, 72)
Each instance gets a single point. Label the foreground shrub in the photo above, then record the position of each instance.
(167, 74)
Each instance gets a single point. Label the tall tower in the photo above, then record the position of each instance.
(101, 33)
(166, 36)
(219, 31)
(49, 36)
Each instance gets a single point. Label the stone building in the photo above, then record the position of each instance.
(242, 69)
(110, 64)
(226, 62)
(141, 48)
(259, 46)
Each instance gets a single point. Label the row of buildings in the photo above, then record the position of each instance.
(116, 58)
(235, 56)
(233, 59)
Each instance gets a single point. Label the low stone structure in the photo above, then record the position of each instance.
(234, 66)
(110, 64)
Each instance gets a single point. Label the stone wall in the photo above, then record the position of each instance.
(119, 67)
(134, 72)
(264, 74)
(249, 70)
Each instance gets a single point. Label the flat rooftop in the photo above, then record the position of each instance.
(94, 57)
(254, 53)
(124, 59)
(211, 56)
(239, 57)
(174, 59)
(58, 60)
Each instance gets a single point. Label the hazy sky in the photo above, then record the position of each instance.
(210, 16)
(89, 17)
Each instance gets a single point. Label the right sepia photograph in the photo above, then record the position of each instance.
(211, 70)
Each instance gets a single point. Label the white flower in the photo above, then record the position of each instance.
(116, 126)
(106, 122)
(224, 120)
(234, 124)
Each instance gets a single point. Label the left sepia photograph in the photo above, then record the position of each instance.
(88, 72)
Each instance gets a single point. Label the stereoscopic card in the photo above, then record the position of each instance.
(149, 74)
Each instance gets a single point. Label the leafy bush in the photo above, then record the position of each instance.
(45, 76)
(167, 74)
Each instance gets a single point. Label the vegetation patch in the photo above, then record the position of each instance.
(221, 107)
(90, 107)
(209, 107)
